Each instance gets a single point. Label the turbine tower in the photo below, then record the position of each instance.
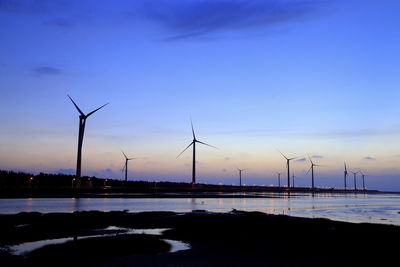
(82, 123)
(355, 180)
(194, 153)
(288, 167)
(240, 176)
(293, 180)
(345, 176)
(279, 179)
(363, 180)
(126, 166)
(312, 172)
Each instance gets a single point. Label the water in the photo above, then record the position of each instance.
(24, 248)
(373, 208)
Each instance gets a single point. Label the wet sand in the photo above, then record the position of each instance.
(216, 239)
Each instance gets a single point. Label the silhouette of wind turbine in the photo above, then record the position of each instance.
(126, 166)
(355, 180)
(194, 153)
(312, 172)
(293, 180)
(279, 179)
(288, 167)
(240, 176)
(345, 176)
(363, 179)
(82, 123)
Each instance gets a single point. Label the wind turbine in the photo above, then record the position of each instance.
(363, 179)
(240, 176)
(279, 179)
(293, 180)
(345, 176)
(126, 166)
(288, 167)
(312, 172)
(355, 180)
(82, 123)
(194, 153)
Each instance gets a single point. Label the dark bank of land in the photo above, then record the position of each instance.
(20, 185)
(216, 239)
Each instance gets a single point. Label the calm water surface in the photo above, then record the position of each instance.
(376, 208)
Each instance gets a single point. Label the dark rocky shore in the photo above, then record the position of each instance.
(216, 239)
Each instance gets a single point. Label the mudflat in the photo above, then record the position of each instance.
(216, 239)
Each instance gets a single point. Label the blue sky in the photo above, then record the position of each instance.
(304, 77)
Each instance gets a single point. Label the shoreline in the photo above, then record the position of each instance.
(236, 238)
(104, 193)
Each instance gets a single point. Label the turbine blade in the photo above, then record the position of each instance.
(96, 110)
(123, 168)
(76, 106)
(191, 123)
(135, 158)
(310, 159)
(345, 167)
(124, 154)
(308, 170)
(282, 154)
(293, 158)
(185, 149)
(206, 144)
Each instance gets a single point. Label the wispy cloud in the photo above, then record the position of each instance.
(301, 160)
(188, 19)
(369, 158)
(45, 71)
(316, 156)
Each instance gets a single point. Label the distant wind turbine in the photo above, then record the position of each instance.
(312, 172)
(279, 179)
(355, 180)
(194, 153)
(240, 176)
(345, 176)
(293, 180)
(82, 122)
(288, 167)
(363, 179)
(126, 166)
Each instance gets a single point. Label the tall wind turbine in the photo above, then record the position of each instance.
(355, 180)
(312, 172)
(126, 166)
(288, 167)
(240, 176)
(82, 122)
(194, 153)
(279, 179)
(345, 176)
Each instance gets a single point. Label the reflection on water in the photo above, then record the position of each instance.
(24, 248)
(377, 208)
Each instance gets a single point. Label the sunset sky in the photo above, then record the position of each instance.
(302, 76)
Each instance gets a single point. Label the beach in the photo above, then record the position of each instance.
(235, 238)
